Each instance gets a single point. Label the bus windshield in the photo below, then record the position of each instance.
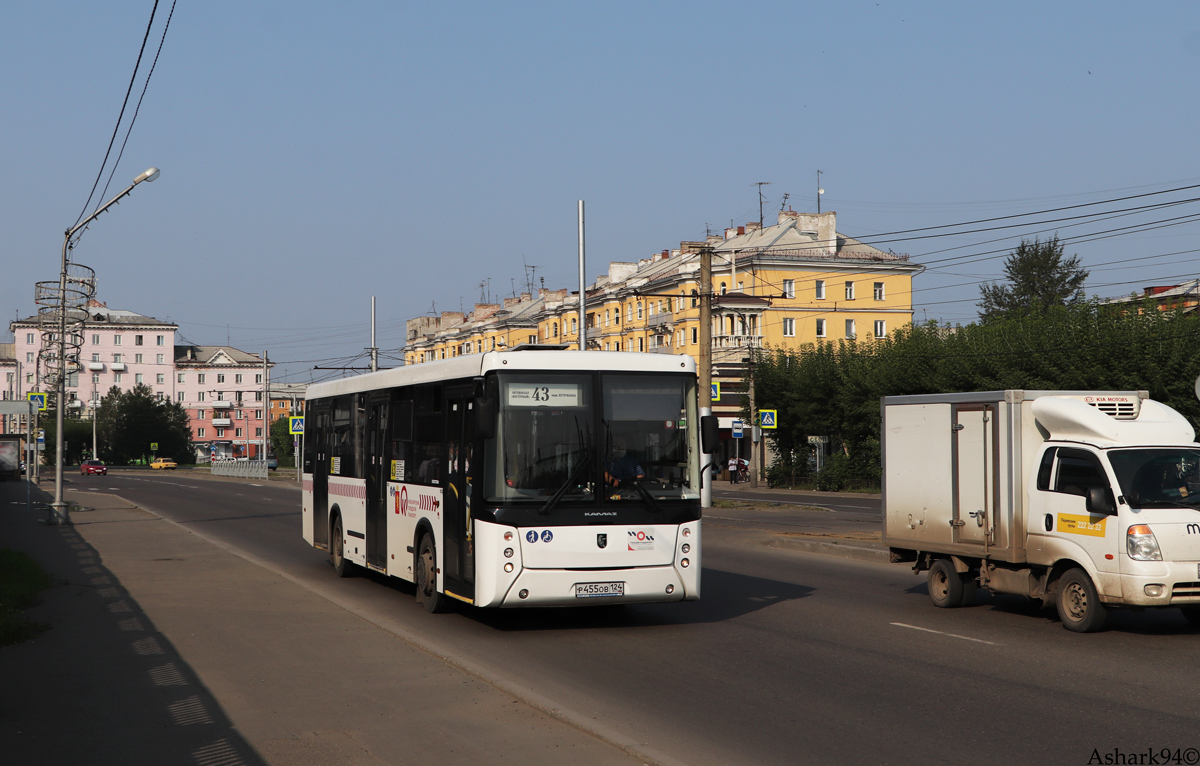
(557, 442)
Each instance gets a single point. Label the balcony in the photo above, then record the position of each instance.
(117, 367)
(662, 350)
(661, 320)
(221, 405)
(96, 366)
(737, 341)
(222, 422)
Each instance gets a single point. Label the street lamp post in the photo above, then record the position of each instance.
(58, 513)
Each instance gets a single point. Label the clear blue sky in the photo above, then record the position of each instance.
(314, 155)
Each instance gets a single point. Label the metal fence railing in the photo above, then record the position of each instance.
(240, 469)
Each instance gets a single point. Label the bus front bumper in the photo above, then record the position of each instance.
(557, 587)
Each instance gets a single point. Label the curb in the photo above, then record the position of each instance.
(844, 550)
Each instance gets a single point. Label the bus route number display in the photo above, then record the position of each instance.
(543, 394)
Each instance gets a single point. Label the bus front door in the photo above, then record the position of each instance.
(319, 421)
(377, 478)
(458, 549)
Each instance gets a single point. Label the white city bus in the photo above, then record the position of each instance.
(531, 477)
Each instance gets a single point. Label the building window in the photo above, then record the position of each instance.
(160, 378)
(29, 338)
(117, 358)
(95, 357)
(200, 378)
(220, 432)
(641, 342)
(724, 289)
(200, 397)
(236, 379)
(95, 340)
(117, 378)
(849, 291)
(137, 358)
(880, 328)
(533, 339)
(137, 378)
(789, 327)
(617, 318)
(878, 291)
(29, 378)
(180, 378)
(617, 345)
(237, 395)
(820, 289)
(556, 329)
(820, 328)
(258, 416)
(95, 377)
(695, 335)
(258, 432)
(789, 288)
(574, 329)
(221, 377)
(159, 359)
(237, 432)
(116, 340)
(179, 396)
(28, 360)
(158, 340)
(258, 378)
(200, 432)
(639, 309)
(850, 332)
(199, 414)
(137, 340)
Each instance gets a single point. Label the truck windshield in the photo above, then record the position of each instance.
(1162, 476)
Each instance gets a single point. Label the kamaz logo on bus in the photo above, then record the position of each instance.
(1193, 529)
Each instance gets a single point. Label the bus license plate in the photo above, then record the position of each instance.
(593, 589)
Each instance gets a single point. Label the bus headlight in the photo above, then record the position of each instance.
(1141, 544)
(508, 553)
(508, 566)
(687, 531)
(508, 536)
(686, 548)
(684, 563)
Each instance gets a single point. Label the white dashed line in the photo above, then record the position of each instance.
(942, 633)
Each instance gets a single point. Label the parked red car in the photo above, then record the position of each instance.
(93, 467)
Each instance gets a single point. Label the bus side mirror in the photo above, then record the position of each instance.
(486, 412)
(1100, 501)
(710, 434)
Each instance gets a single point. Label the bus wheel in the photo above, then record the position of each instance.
(425, 569)
(337, 553)
(1078, 603)
(945, 586)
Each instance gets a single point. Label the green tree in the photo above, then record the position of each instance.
(1038, 278)
(130, 421)
(281, 442)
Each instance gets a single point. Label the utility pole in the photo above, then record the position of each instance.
(760, 185)
(374, 348)
(753, 451)
(266, 412)
(582, 286)
(704, 390)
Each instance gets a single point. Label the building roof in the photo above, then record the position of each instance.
(215, 356)
(1191, 288)
(100, 315)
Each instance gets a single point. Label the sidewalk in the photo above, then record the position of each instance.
(166, 649)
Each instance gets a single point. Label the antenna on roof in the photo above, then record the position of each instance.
(783, 204)
(707, 230)
(760, 185)
(482, 294)
(228, 340)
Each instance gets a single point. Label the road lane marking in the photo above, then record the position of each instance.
(942, 633)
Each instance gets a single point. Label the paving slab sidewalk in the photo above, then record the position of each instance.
(166, 649)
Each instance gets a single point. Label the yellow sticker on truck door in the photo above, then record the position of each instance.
(1081, 525)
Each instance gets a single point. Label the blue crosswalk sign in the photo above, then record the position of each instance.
(716, 391)
(766, 418)
(297, 425)
(39, 400)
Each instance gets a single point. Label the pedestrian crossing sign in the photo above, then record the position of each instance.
(716, 391)
(766, 418)
(38, 399)
(297, 425)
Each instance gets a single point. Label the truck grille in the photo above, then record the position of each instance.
(1118, 410)
(1185, 591)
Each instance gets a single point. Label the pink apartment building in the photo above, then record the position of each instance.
(220, 387)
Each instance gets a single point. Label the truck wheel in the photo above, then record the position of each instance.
(1078, 603)
(1192, 613)
(945, 586)
(425, 575)
(970, 581)
(337, 552)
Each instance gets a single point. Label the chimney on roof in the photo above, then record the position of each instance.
(666, 254)
(788, 215)
(752, 226)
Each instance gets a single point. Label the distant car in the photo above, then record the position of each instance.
(163, 462)
(272, 462)
(93, 467)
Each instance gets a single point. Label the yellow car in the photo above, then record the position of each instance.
(163, 462)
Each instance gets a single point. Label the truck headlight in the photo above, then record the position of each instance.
(1141, 544)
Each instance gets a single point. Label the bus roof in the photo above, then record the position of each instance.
(475, 365)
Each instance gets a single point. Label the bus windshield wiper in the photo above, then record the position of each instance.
(558, 495)
(645, 493)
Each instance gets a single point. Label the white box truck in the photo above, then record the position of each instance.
(1084, 499)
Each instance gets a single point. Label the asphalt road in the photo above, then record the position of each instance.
(788, 657)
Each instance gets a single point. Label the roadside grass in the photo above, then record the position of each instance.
(21, 578)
